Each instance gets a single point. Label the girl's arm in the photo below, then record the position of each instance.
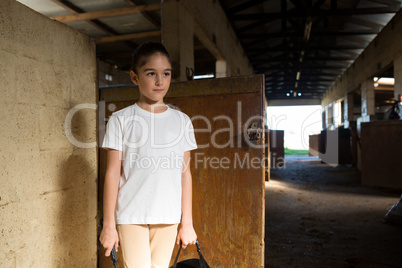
(109, 236)
(186, 233)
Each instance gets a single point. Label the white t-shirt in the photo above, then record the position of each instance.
(152, 145)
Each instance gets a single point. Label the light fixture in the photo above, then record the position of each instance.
(298, 76)
(386, 81)
(307, 30)
(288, 94)
(299, 94)
(203, 76)
(301, 56)
(109, 77)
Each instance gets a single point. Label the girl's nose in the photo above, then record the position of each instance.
(158, 80)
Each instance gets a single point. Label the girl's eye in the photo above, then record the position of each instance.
(167, 74)
(151, 74)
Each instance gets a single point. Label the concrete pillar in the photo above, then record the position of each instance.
(348, 109)
(178, 37)
(398, 77)
(48, 155)
(368, 98)
(222, 69)
(330, 115)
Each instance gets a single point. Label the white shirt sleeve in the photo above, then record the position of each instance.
(114, 134)
(189, 137)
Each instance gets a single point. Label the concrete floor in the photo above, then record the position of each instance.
(320, 216)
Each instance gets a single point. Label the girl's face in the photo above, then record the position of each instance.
(153, 79)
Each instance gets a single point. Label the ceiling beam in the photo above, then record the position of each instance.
(355, 39)
(303, 67)
(297, 4)
(303, 86)
(390, 3)
(273, 95)
(305, 78)
(287, 89)
(313, 14)
(300, 83)
(110, 39)
(302, 79)
(76, 10)
(151, 17)
(244, 6)
(299, 49)
(107, 13)
(313, 34)
(253, 25)
(270, 97)
(370, 24)
(114, 55)
(292, 73)
(283, 92)
(305, 59)
(318, 4)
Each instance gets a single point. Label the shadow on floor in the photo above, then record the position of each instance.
(320, 216)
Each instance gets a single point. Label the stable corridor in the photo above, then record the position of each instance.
(321, 216)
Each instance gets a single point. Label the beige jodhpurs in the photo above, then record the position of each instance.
(147, 245)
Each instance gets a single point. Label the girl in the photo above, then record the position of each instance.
(148, 188)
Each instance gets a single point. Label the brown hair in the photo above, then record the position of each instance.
(144, 51)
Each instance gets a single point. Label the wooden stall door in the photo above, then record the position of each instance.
(228, 168)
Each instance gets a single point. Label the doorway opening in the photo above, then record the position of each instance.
(298, 123)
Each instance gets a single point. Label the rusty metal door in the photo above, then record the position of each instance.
(228, 168)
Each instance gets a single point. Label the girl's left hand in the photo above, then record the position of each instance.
(186, 235)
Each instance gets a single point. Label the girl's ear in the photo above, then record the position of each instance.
(134, 77)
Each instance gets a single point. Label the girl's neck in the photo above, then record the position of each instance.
(157, 107)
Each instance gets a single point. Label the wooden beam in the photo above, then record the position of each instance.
(390, 3)
(313, 34)
(303, 67)
(76, 10)
(306, 59)
(151, 17)
(244, 6)
(107, 13)
(114, 55)
(67, 6)
(318, 4)
(313, 14)
(370, 24)
(276, 49)
(111, 39)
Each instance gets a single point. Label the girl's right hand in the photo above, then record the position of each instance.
(108, 239)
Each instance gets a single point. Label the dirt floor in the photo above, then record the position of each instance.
(321, 216)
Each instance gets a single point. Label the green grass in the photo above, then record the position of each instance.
(295, 152)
